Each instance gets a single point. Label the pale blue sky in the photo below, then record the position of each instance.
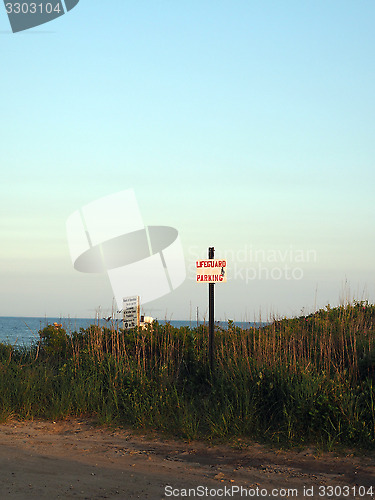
(243, 124)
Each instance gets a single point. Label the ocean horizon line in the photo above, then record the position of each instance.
(185, 320)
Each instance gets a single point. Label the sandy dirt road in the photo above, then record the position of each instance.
(76, 459)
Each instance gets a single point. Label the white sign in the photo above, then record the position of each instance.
(130, 311)
(211, 271)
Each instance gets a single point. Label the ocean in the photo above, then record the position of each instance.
(24, 331)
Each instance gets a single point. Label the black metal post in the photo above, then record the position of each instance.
(211, 315)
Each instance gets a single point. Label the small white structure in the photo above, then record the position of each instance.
(145, 320)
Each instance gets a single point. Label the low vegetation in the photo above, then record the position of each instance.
(302, 381)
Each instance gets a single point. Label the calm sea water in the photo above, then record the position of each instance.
(24, 331)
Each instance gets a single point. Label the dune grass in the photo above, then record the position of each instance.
(295, 382)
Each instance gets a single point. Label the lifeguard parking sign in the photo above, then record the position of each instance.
(211, 271)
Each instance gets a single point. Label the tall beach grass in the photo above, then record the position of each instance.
(301, 381)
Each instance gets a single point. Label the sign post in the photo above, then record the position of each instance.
(130, 306)
(211, 271)
(211, 315)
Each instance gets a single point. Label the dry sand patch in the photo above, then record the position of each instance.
(76, 459)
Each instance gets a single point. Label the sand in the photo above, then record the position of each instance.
(76, 459)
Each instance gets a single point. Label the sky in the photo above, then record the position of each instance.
(247, 126)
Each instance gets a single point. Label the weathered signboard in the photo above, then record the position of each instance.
(211, 271)
(130, 311)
